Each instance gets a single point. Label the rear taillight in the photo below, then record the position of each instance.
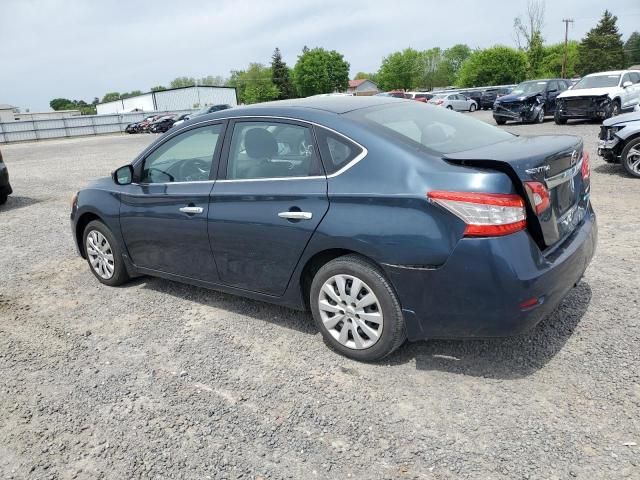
(586, 168)
(539, 196)
(486, 214)
(439, 102)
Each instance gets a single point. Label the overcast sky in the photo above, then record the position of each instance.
(82, 49)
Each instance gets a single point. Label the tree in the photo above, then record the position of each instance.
(551, 65)
(133, 93)
(401, 70)
(452, 60)
(525, 30)
(497, 65)
(320, 71)
(434, 71)
(253, 85)
(632, 49)
(535, 56)
(110, 97)
(211, 80)
(158, 88)
(183, 82)
(601, 48)
(66, 104)
(280, 76)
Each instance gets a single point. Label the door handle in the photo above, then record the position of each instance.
(191, 210)
(296, 215)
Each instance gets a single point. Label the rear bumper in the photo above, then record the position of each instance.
(479, 290)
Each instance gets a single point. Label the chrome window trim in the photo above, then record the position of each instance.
(357, 159)
(564, 176)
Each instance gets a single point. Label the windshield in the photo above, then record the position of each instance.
(526, 88)
(440, 95)
(597, 81)
(438, 129)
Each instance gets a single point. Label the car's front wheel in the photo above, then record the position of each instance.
(356, 309)
(104, 255)
(559, 119)
(472, 107)
(630, 158)
(500, 121)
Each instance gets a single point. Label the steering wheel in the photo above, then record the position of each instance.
(193, 170)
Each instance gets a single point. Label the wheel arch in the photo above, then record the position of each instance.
(318, 260)
(81, 224)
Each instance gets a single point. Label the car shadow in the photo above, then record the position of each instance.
(615, 169)
(502, 358)
(15, 202)
(282, 316)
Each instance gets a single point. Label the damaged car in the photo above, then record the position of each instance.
(620, 142)
(599, 96)
(529, 102)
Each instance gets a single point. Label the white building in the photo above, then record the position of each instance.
(185, 98)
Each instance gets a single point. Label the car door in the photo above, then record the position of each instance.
(552, 92)
(635, 78)
(270, 196)
(163, 216)
(626, 94)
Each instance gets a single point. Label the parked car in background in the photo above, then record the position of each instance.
(475, 95)
(454, 101)
(392, 93)
(162, 124)
(488, 96)
(620, 142)
(529, 101)
(490, 231)
(204, 111)
(418, 96)
(5, 185)
(137, 127)
(600, 95)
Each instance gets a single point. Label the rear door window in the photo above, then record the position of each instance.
(336, 151)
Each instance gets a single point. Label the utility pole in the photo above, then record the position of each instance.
(566, 21)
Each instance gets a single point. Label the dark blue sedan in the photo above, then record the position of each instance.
(389, 219)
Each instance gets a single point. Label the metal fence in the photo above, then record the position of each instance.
(80, 126)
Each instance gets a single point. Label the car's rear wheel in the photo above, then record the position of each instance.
(630, 158)
(103, 254)
(356, 309)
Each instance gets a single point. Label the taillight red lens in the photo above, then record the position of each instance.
(586, 167)
(486, 214)
(539, 196)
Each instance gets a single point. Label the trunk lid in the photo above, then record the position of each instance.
(554, 161)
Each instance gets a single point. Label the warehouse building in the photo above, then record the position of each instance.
(175, 99)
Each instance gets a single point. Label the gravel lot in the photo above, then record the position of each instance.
(161, 380)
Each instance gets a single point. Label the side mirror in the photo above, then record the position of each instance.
(123, 175)
(626, 84)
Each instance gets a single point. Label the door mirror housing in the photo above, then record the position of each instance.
(627, 84)
(123, 175)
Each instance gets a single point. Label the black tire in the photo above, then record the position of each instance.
(393, 328)
(540, 116)
(615, 109)
(120, 274)
(472, 107)
(500, 121)
(3, 198)
(449, 107)
(635, 143)
(559, 119)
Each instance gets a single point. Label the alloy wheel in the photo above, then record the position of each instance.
(350, 311)
(100, 254)
(633, 160)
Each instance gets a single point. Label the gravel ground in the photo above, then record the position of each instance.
(161, 380)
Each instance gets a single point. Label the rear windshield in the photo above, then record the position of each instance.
(597, 81)
(438, 129)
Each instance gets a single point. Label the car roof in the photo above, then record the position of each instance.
(612, 72)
